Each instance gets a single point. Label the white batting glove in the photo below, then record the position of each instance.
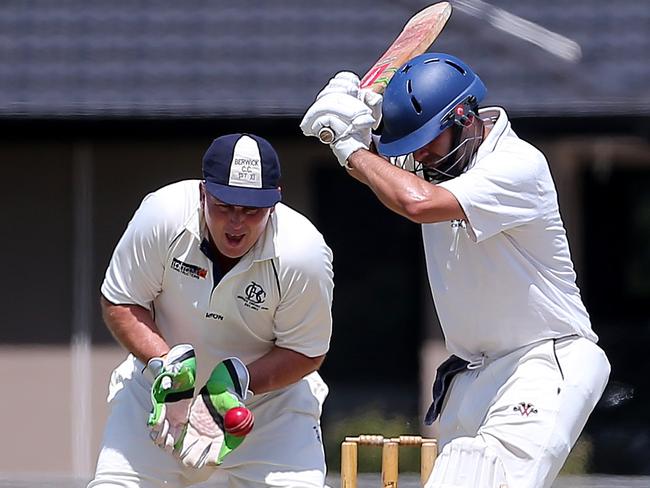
(349, 118)
(342, 82)
(348, 83)
(373, 101)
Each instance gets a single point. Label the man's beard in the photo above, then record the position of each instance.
(458, 159)
(453, 164)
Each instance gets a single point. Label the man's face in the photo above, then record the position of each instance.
(431, 154)
(234, 230)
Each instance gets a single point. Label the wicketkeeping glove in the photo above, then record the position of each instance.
(171, 394)
(206, 441)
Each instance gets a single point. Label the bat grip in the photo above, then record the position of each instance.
(326, 135)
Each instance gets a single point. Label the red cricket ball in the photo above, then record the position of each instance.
(238, 421)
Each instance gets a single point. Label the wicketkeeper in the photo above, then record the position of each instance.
(222, 296)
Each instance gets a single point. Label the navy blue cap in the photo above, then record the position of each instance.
(242, 170)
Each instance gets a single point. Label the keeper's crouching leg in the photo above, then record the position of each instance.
(468, 462)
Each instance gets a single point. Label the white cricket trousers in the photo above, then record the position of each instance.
(284, 448)
(528, 407)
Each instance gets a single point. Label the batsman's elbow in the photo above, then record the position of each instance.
(416, 207)
(431, 206)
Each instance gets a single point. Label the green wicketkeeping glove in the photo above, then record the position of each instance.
(218, 420)
(171, 394)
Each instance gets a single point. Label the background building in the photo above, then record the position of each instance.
(101, 103)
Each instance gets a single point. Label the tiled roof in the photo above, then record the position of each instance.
(196, 58)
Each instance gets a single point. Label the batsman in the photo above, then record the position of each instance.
(222, 296)
(524, 371)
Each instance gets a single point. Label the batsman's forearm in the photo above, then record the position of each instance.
(279, 368)
(395, 188)
(403, 192)
(134, 329)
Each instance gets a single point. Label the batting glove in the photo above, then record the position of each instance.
(349, 83)
(349, 118)
(171, 394)
(206, 441)
(373, 101)
(343, 82)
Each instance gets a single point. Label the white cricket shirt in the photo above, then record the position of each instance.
(279, 293)
(504, 278)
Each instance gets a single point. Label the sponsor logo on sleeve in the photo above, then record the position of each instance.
(189, 269)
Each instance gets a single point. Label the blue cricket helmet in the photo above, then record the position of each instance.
(421, 100)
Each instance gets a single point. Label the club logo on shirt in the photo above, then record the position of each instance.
(455, 224)
(189, 269)
(525, 409)
(254, 296)
(255, 293)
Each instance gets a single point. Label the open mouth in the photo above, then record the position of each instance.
(234, 239)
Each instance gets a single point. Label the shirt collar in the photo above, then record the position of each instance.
(195, 224)
(498, 118)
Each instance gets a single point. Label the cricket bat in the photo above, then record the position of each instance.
(415, 38)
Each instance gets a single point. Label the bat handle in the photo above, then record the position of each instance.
(326, 135)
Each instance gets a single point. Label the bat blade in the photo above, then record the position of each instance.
(416, 37)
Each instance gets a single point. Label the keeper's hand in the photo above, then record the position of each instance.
(206, 443)
(350, 119)
(171, 394)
